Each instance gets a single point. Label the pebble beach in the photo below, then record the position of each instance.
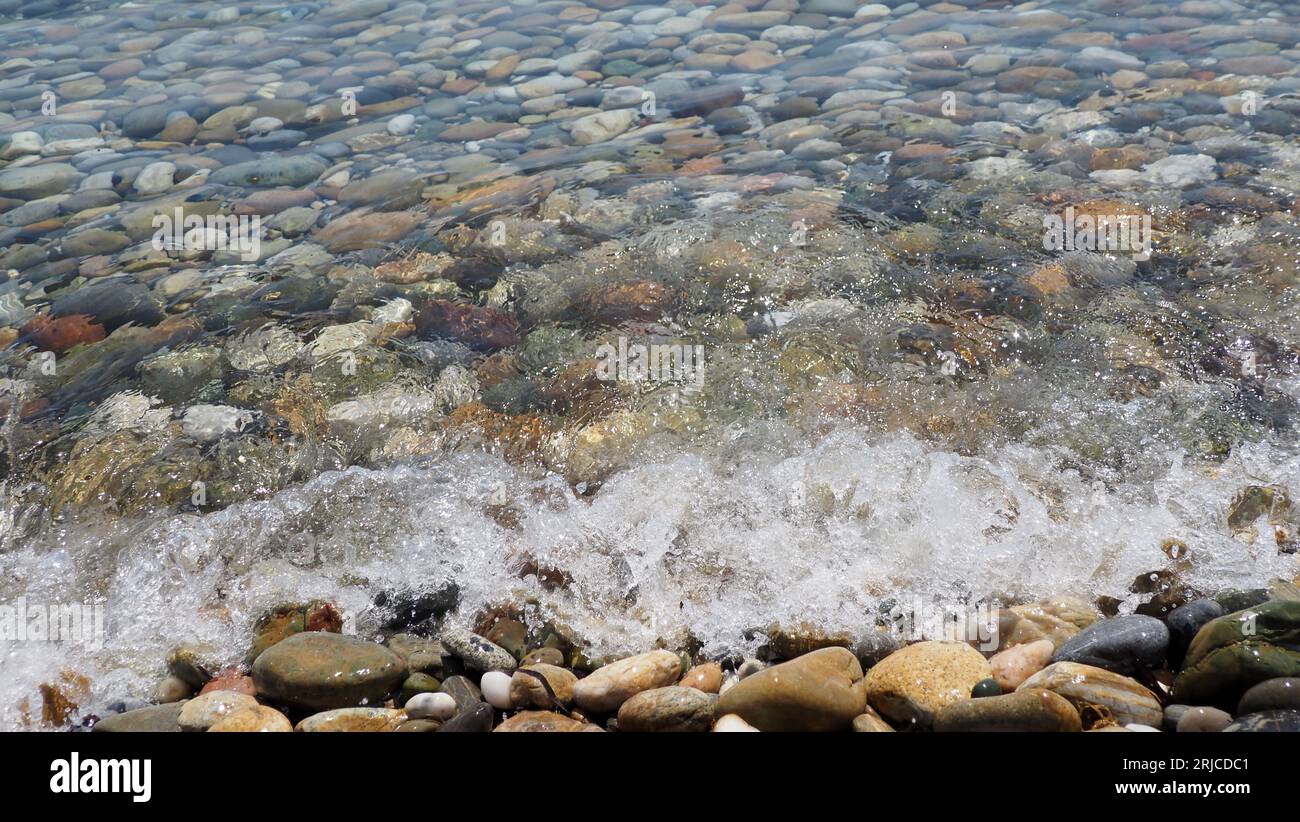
(604, 366)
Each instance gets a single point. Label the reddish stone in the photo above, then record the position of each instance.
(486, 329)
(64, 333)
(231, 679)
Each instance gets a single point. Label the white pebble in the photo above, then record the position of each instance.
(1133, 726)
(401, 124)
(732, 723)
(496, 689)
(431, 706)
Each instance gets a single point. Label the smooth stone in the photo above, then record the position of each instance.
(113, 302)
(155, 178)
(316, 670)
(495, 686)
(92, 241)
(1085, 685)
(706, 677)
(1203, 720)
(1124, 644)
(401, 125)
(526, 691)
(352, 720)
(604, 690)
(1281, 721)
(912, 685)
(731, 723)
(418, 726)
(1184, 622)
(21, 143)
(35, 182)
(1280, 693)
(476, 652)
(205, 710)
(356, 231)
(254, 719)
(477, 718)
(1055, 619)
(544, 722)
(153, 719)
(431, 706)
(1026, 710)
(1014, 665)
(815, 692)
(1236, 651)
(173, 689)
(870, 723)
(674, 708)
(463, 691)
(597, 128)
(986, 688)
(419, 683)
(293, 172)
(543, 656)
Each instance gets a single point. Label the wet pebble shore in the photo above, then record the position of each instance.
(1056, 666)
(422, 222)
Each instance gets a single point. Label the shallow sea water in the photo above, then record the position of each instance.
(903, 393)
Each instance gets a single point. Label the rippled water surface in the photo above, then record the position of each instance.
(380, 365)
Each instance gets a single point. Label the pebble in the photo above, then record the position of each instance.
(604, 690)
(815, 692)
(1025, 710)
(527, 691)
(1203, 720)
(1184, 622)
(318, 671)
(1083, 685)
(173, 689)
(912, 685)
(431, 706)
(1238, 650)
(1281, 693)
(252, 719)
(674, 708)
(1123, 644)
(477, 653)
(154, 178)
(731, 723)
(205, 710)
(353, 720)
(153, 719)
(1014, 665)
(544, 722)
(495, 686)
(706, 677)
(1279, 721)
(476, 718)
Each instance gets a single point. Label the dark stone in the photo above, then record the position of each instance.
(475, 719)
(1183, 623)
(1236, 651)
(1266, 722)
(1281, 693)
(153, 719)
(463, 690)
(986, 687)
(400, 610)
(112, 302)
(1125, 645)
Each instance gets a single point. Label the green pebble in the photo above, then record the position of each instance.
(986, 687)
